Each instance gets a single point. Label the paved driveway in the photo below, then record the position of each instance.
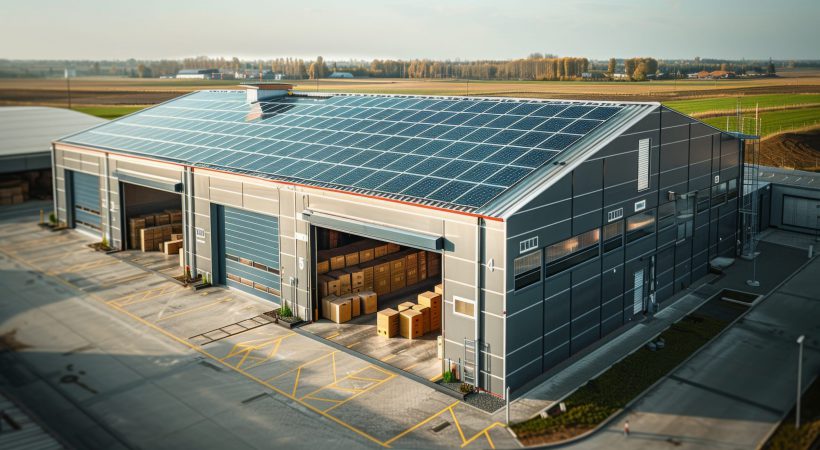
(112, 355)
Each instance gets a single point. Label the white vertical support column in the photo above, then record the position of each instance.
(107, 174)
(188, 222)
(54, 181)
(477, 306)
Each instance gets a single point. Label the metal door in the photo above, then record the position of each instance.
(251, 252)
(85, 201)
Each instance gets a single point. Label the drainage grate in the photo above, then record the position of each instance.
(230, 330)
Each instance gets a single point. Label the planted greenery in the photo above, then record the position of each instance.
(591, 404)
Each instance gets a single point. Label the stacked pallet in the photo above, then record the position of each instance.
(159, 231)
(13, 192)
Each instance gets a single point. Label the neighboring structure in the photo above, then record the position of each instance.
(25, 146)
(558, 222)
(340, 75)
(788, 199)
(198, 74)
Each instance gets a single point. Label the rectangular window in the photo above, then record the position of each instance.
(666, 215)
(640, 225)
(527, 269)
(571, 252)
(685, 215)
(732, 189)
(643, 164)
(703, 200)
(719, 194)
(615, 214)
(528, 244)
(463, 306)
(613, 235)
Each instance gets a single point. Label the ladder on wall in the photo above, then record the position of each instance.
(749, 191)
(468, 368)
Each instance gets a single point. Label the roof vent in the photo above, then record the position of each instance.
(260, 91)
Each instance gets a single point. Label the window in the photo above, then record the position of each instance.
(684, 215)
(719, 193)
(732, 189)
(613, 235)
(640, 225)
(666, 215)
(615, 214)
(571, 252)
(527, 269)
(643, 164)
(463, 306)
(703, 200)
(528, 244)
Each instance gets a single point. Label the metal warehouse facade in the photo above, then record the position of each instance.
(557, 222)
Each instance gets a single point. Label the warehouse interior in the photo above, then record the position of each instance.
(379, 298)
(153, 219)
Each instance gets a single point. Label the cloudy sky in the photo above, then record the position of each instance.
(442, 29)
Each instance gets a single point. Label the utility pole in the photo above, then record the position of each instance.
(68, 85)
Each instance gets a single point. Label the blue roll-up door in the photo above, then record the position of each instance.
(85, 194)
(252, 253)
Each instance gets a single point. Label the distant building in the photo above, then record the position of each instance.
(341, 75)
(593, 75)
(197, 74)
(620, 76)
(722, 74)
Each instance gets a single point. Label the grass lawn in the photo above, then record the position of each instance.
(786, 437)
(108, 112)
(702, 105)
(773, 121)
(591, 404)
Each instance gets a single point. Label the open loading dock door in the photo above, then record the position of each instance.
(85, 208)
(377, 296)
(152, 214)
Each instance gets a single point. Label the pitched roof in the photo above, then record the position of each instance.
(31, 129)
(458, 153)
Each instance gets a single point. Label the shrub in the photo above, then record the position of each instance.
(466, 388)
(52, 218)
(285, 311)
(448, 377)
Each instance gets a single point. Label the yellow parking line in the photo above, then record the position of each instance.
(388, 358)
(435, 378)
(195, 309)
(353, 344)
(367, 389)
(333, 359)
(376, 380)
(205, 353)
(303, 365)
(420, 424)
(322, 399)
(332, 336)
(489, 439)
(458, 425)
(485, 432)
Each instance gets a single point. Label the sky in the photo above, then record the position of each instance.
(404, 29)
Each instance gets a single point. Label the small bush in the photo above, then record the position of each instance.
(285, 311)
(52, 218)
(448, 377)
(466, 388)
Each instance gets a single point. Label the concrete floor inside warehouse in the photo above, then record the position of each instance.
(417, 356)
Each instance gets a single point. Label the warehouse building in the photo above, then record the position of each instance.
(555, 223)
(25, 148)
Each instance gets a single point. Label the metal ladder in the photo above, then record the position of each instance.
(468, 368)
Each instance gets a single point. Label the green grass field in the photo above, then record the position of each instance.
(771, 122)
(108, 112)
(703, 105)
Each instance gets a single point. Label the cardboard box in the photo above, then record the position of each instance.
(355, 305)
(149, 220)
(405, 306)
(344, 280)
(433, 264)
(381, 286)
(412, 276)
(422, 258)
(162, 219)
(387, 323)
(367, 281)
(352, 259)
(340, 310)
(410, 324)
(392, 248)
(326, 301)
(176, 236)
(181, 258)
(397, 266)
(398, 281)
(369, 301)
(356, 276)
(176, 228)
(434, 302)
(328, 286)
(425, 317)
(380, 250)
(322, 267)
(439, 289)
(366, 255)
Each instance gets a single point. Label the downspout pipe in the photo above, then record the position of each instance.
(478, 303)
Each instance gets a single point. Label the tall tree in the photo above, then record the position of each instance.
(610, 68)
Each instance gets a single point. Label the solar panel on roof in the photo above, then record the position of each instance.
(424, 148)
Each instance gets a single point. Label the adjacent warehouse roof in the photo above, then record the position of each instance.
(28, 131)
(460, 153)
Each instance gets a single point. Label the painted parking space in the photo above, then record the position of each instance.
(379, 405)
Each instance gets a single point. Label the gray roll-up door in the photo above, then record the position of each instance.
(85, 195)
(252, 253)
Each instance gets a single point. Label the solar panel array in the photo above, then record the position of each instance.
(456, 153)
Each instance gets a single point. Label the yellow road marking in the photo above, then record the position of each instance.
(489, 439)
(146, 295)
(333, 359)
(420, 424)
(303, 365)
(435, 378)
(322, 399)
(332, 336)
(354, 344)
(376, 380)
(458, 425)
(195, 309)
(388, 358)
(367, 389)
(484, 432)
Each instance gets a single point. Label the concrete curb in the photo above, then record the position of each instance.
(640, 396)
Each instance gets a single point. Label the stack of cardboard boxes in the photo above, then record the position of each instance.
(414, 320)
(13, 192)
(156, 232)
(342, 308)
